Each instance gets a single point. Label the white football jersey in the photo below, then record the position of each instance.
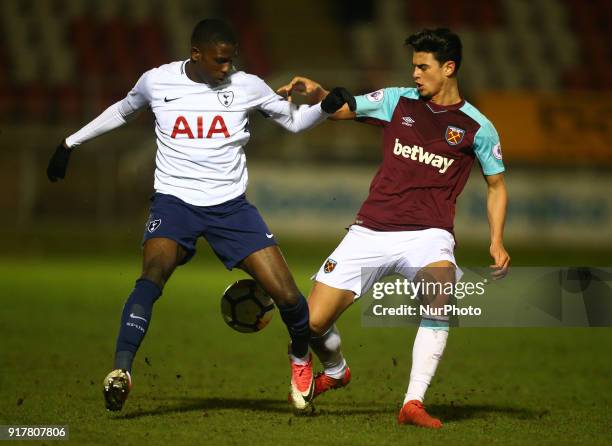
(201, 131)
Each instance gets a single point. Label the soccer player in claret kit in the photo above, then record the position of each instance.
(431, 137)
(201, 110)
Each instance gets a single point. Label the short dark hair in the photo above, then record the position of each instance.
(212, 31)
(441, 42)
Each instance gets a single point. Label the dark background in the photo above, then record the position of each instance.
(539, 70)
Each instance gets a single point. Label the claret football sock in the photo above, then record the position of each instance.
(296, 320)
(427, 351)
(135, 321)
(327, 349)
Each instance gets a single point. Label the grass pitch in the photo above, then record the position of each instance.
(196, 381)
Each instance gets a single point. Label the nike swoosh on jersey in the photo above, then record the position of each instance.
(170, 100)
(132, 315)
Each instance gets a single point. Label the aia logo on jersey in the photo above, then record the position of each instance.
(153, 225)
(182, 127)
(226, 98)
(329, 266)
(454, 135)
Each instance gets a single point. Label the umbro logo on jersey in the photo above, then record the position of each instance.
(407, 120)
(418, 153)
(226, 97)
(170, 100)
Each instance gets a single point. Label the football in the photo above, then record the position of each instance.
(246, 307)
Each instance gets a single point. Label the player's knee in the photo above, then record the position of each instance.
(318, 327)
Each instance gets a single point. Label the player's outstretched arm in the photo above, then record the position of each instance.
(497, 202)
(114, 116)
(336, 99)
(297, 118)
(313, 93)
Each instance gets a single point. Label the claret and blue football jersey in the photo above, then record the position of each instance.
(428, 153)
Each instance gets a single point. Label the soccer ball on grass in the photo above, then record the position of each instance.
(246, 307)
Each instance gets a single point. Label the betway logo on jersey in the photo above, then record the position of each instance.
(418, 153)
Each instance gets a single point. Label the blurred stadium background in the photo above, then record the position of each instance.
(539, 70)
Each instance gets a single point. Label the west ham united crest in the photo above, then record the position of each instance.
(454, 135)
(153, 225)
(226, 97)
(330, 265)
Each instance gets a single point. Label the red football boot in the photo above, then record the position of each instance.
(323, 383)
(413, 412)
(302, 385)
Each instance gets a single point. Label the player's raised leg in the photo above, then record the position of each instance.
(160, 258)
(268, 267)
(428, 347)
(326, 304)
(341, 279)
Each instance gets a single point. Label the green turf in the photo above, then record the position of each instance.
(198, 382)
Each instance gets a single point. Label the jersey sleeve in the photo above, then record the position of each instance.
(488, 149)
(378, 106)
(140, 95)
(117, 114)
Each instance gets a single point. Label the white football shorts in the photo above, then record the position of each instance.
(365, 256)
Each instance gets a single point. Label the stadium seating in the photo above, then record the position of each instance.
(88, 53)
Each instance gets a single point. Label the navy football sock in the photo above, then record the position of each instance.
(296, 320)
(135, 320)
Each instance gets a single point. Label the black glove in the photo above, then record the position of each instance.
(58, 163)
(336, 99)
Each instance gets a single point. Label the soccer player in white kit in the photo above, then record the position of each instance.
(431, 137)
(201, 110)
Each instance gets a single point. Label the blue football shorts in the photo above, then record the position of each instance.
(233, 229)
